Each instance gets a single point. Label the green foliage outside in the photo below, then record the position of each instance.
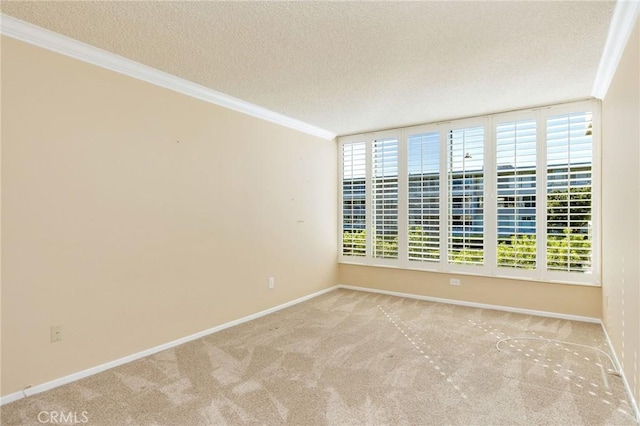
(564, 251)
(568, 218)
(568, 246)
(466, 256)
(387, 247)
(423, 245)
(569, 209)
(518, 252)
(569, 251)
(354, 243)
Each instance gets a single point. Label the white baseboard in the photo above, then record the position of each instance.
(475, 305)
(97, 369)
(632, 400)
(634, 403)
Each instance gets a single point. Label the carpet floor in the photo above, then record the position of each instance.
(356, 358)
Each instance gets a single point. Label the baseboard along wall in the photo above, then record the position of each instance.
(100, 368)
(32, 390)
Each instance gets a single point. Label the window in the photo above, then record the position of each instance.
(424, 197)
(516, 191)
(465, 174)
(510, 195)
(569, 211)
(354, 199)
(385, 198)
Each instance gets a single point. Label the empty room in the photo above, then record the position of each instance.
(310, 213)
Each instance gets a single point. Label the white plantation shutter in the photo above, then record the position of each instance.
(465, 175)
(516, 194)
(354, 199)
(417, 197)
(384, 190)
(569, 192)
(424, 197)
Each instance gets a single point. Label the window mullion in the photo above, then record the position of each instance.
(490, 210)
(596, 205)
(369, 199)
(403, 196)
(341, 199)
(541, 195)
(444, 205)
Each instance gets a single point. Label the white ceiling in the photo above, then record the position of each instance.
(350, 67)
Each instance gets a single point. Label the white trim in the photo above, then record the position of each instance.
(363, 139)
(623, 20)
(384, 135)
(106, 366)
(634, 403)
(402, 206)
(475, 305)
(37, 36)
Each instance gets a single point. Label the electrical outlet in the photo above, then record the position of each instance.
(454, 281)
(56, 333)
(272, 282)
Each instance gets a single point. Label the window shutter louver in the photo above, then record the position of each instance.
(354, 199)
(569, 191)
(516, 194)
(509, 195)
(466, 196)
(424, 197)
(385, 198)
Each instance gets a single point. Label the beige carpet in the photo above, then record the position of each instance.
(352, 358)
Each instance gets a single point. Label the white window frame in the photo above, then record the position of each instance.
(526, 274)
(391, 134)
(483, 269)
(594, 277)
(368, 139)
(489, 268)
(404, 213)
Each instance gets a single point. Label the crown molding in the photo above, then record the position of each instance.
(623, 20)
(37, 36)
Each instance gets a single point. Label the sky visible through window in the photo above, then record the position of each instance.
(569, 139)
(424, 153)
(569, 142)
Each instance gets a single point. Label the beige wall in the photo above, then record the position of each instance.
(621, 211)
(563, 299)
(133, 215)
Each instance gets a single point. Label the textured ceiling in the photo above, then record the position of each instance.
(349, 67)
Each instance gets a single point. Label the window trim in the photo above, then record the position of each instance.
(386, 135)
(541, 258)
(461, 125)
(490, 217)
(408, 133)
